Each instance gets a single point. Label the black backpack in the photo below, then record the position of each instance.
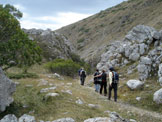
(83, 74)
(115, 77)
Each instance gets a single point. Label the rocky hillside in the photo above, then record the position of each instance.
(140, 51)
(53, 45)
(92, 35)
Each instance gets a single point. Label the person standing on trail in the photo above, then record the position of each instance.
(82, 76)
(103, 82)
(113, 83)
(97, 80)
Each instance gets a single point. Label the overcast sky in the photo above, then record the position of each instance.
(55, 14)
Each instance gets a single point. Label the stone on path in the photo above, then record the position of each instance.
(9, 118)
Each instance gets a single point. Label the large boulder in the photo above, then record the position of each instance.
(158, 96)
(27, 118)
(9, 118)
(134, 84)
(7, 88)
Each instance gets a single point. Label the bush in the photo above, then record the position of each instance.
(67, 67)
(22, 75)
(64, 67)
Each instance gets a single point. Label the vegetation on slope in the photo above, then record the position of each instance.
(92, 35)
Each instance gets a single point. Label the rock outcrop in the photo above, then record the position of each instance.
(7, 87)
(141, 48)
(54, 45)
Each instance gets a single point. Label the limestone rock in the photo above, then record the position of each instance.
(53, 45)
(158, 96)
(79, 101)
(7, 88)
(134, 84)
(93, 106)
(9, 118)
(43, 82)
(98, 119)
(47, 89)
(51, 95)
(27, 118)
(65, 120)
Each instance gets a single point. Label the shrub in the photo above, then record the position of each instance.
(64, 67)
(22, 75)
(67, 67)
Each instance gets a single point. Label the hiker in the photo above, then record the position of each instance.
(103, 82)
(113, 83)
(82, 76)
(97, 80)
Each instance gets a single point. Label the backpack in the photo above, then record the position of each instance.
(83, 74)
(115, 77)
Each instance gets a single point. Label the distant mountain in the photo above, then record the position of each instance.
(93, 35)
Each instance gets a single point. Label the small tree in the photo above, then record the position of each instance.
(16, 49)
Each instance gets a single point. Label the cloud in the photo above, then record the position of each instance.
(19, 7)
(53, 22)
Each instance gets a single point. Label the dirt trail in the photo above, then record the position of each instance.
(132, 109)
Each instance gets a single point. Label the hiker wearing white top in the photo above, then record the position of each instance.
(113, 83)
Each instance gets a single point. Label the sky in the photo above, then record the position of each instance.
(54, 14)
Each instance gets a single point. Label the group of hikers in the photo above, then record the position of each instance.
(100, 81)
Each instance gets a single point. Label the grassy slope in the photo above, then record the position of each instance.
(91, 35)
(65, 106)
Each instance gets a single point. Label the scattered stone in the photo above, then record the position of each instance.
(158, 96)
(98, 119)
(69, 84)
(7, 88)
(44, 90)
(134, 84)
(17, 83)
(52, 94)
(65, 120)
(9, 118)
(132, 120)
(58, 76)
(93, 106)
(29, 85)
(27, 118)
(138, 98)
(80, 102)
(43, 82)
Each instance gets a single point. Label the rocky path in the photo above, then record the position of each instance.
(132, 109)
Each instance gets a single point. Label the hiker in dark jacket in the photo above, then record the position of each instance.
(113, 84)
(97, 80)
(103, 82)
(82, 76)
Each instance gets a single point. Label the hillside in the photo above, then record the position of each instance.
(92, 35)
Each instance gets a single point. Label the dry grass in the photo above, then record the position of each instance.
(116, 22)
(64, 105)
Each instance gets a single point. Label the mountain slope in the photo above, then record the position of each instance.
(92, 35)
